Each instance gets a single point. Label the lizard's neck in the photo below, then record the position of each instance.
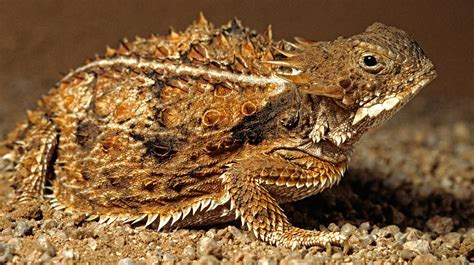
(330, 130)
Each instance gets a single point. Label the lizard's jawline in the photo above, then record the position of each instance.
(373, 111)
(390, 102)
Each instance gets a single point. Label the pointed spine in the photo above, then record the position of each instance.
(139, 218)
(151, 219)
(163, 221)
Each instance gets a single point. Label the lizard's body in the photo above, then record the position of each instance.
(212, 124)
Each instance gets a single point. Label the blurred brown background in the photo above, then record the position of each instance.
(40, 39)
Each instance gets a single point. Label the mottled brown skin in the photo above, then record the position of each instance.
(212, 124)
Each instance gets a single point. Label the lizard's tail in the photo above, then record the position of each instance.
(10, 151)
(7, 163)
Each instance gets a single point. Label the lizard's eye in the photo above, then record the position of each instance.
(371, 63)
(370, 60)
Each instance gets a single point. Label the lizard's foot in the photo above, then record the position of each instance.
(296, 237)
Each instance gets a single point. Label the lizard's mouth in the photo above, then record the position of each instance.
(391, 103)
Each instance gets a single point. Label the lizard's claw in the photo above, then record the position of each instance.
(328, 248)
(345, 247)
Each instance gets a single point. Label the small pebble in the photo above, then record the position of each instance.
(15, 243)
(337, 256)
(92, 243)
(407, 254)
(400, 237)
(440, 225)
(413, 234)
(119, 242)
(446, 183)
(451, 239)
(189, 251)
(347, 229)
(169, 257)
(23, 229)
(419, 246)
(375, 231)
(333, 227)
(207, 260)
(469, 233)
(364, 226)
(236, 233)
(6, 253)
(49, 224)
(145, 237)
(385, 232)
(60, 235)
(366, 240)
(45, 246)
(7, 231)
(424, 259)
(392, 229)
(211, 233)
(69, 254)
(207, 246)
(45, 257)
(127, 261)
(223, 233)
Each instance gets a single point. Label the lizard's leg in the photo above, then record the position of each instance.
(39, 144)
(260, 212)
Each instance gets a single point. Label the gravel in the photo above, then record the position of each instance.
(45, 246)
(407, 197)
(127, 261)
(70, 254)
(23, 228)
(417, 246)
(440, 225)
(207, 246)
(6, 253)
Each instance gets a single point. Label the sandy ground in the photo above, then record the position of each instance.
(408, 196)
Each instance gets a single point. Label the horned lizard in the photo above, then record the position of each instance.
(210, 125)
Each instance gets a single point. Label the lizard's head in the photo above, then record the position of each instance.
(370, 75)
(388, 68)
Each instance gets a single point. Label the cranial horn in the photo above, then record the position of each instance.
(304, 41)
(300, 79)
(282, 63)
(286, 53)
(327, 91)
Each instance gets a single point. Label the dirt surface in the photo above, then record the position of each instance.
(407, 197)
